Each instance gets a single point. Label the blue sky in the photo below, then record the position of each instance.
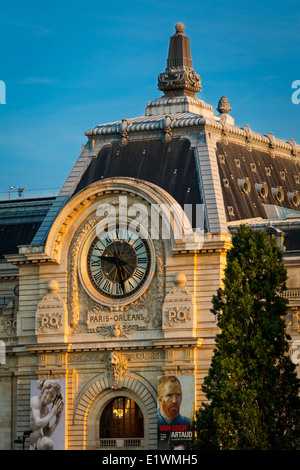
(70, 65)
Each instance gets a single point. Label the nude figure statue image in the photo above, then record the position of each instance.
(45, 408)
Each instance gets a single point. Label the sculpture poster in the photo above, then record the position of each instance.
(47, 414)
(175, 400)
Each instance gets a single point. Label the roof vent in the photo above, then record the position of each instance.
(297, 179)
(294, 198)
(230, 210)
(268, 171)
(278, 194)
(244, 185)
(262, 190)
(253, 166)
(237, 162)
(226, 182)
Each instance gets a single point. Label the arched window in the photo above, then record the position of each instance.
(121, 418)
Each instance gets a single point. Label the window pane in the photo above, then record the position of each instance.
(121, 418)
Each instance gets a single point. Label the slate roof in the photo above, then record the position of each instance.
(19, 222)
(236, 163)
(170, 165)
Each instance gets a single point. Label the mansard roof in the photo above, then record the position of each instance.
(255, 181)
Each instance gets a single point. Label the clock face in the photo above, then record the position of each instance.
(118, 263)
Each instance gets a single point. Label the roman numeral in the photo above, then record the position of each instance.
(108, 240)
(119, 289)
(106, 286)
(130, 237)
(139, 247)
(142, 260)
(138, 274)
(99, 249)
(95, 263)
(99, 276)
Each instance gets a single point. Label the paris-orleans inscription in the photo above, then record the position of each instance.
(116, 322)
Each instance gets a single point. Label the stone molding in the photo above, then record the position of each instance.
(99, 388)
(179, 310)
(51, 316)
(188, 121)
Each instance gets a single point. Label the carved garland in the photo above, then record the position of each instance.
(74, 296)
(74, 304)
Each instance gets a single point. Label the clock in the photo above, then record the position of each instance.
(118, 263)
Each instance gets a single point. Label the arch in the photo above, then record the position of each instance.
(96, 396)
(80, 207)
(121, 419)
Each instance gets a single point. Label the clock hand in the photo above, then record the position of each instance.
(112, 259)
(121, 280)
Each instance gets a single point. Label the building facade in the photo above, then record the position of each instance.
(107, 288)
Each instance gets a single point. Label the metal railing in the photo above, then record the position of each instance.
(292, 293)
(13, 194)
(125, 443)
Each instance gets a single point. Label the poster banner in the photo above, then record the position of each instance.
(47, 414)
(175, 409)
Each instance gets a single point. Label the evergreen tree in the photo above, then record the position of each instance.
(252, 389)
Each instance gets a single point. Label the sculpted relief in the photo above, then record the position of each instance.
(116, 280)
(8, 316)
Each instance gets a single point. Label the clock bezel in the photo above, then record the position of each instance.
(86, 281)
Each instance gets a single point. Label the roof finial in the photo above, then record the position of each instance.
(179, 28)
(179, 78)
(223, 105)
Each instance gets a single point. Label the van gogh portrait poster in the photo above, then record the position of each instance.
(175, 400)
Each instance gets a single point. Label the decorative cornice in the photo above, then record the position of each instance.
(192, 120)
(179, 79)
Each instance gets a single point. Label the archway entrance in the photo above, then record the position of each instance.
(121, 424)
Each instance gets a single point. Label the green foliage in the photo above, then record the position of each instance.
(252, 389)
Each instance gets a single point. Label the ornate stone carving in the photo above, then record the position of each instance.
(249, 137)
(160, 286)
(292, 142)
(51, 314)
(74, 304)
(179, 310)
(179, 79)
(293, 319)
(8, 316)
(225, 129)
(123, 130)
(117, 367)
(272, 144)
(117, 322)
(179, 315)
(145, 308)
(166, 126)
(224, 105)
(115, 331)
